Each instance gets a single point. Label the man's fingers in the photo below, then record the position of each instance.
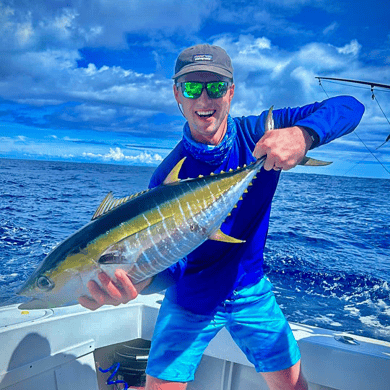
(127, 285)
(110, 287)
(89, 303)
(262, 150)
(111, 292)
(269, 163)
(100, 295)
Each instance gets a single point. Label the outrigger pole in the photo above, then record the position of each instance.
(372, 85)
(355, 81)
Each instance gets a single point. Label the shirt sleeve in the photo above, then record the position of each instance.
(329, 119)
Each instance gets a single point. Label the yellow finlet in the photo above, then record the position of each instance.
(173, 176)
(220, 236)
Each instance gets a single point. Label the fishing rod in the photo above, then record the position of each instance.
(355, 81)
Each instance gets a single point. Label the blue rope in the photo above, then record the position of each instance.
(109, 380)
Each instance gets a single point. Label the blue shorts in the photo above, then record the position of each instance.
(252, 317)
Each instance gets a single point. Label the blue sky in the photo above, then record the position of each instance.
(90, 81)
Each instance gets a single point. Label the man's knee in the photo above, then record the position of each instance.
(160, 384)
(291, 379)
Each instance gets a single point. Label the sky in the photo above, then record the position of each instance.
(90, 81)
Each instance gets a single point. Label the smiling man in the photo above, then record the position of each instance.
(221, 284)
(206, 112)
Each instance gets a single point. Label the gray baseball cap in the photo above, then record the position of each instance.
(206, 58)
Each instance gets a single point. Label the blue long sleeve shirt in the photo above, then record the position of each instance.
(209, 274)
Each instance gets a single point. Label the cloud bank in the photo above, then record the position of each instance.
(106, 65)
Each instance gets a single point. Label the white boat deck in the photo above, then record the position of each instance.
(60, 349)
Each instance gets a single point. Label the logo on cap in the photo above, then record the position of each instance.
(202, 57)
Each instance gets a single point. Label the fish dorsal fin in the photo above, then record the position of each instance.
(110, 203)
(173, 176)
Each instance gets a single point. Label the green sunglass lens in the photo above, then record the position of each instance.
(216, 89)
(192, 90)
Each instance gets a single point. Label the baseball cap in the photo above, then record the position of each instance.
(206, 58)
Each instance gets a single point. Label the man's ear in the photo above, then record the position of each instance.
(231, 91)
(177, 94)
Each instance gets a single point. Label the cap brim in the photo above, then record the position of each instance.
(203, 68)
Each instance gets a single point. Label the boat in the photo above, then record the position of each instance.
(73, 348)
(67, 348)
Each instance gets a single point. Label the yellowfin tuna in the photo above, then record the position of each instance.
(143, 234)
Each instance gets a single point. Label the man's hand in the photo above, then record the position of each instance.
(112, 293)
(285, 148)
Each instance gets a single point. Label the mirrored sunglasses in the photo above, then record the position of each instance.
(214, 89)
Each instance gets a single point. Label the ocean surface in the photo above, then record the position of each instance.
(327, 253)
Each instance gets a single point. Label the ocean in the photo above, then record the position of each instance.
(327, 253)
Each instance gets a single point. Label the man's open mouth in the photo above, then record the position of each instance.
(205, 114)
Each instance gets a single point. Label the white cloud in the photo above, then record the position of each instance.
(287, 78)
(298, 3)
(117, 155)
(69, 139)
(40, 48)
(101, 92)
(97, 23)
(331, 28)
(257, 45)
(352, 48)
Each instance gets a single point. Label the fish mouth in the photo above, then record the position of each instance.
(35, 303)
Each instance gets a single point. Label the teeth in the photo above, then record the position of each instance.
(204, 113)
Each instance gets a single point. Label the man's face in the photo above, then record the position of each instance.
(206, 117)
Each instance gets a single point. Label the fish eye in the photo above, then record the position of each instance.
(44, 283)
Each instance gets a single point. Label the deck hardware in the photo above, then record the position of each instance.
(346, 340)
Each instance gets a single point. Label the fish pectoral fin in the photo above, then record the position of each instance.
(173, 176)
(312, 162)
(110, 258)
(221, 236)
(114, 255)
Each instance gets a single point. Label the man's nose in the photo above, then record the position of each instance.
(204, 97)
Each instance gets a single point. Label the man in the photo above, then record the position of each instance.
(222, 284)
